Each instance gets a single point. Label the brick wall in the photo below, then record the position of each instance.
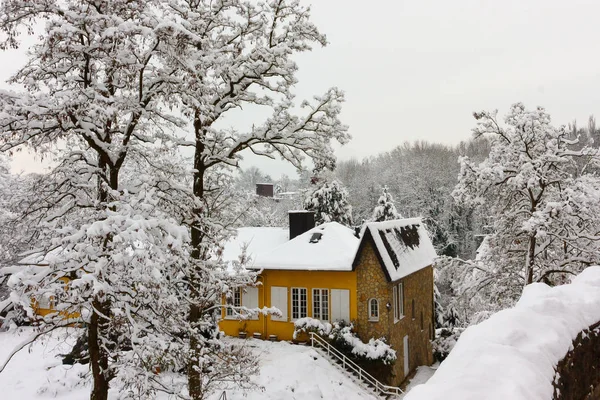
(372, 283)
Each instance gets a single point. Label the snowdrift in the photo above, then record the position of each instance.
(513, 354)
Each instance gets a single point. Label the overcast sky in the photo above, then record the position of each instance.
(416, 70)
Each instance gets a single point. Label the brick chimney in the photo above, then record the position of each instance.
(300, 222)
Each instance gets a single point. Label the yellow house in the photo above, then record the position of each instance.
(382, 282)
(309, 275)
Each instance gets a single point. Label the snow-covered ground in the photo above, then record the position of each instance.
(423, 374)
(290, 371)
(286, 372)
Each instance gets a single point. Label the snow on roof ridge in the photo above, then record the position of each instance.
(513, 354)
(393, 223)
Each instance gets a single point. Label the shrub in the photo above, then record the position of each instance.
(445, 339)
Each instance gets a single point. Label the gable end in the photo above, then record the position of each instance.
(367, 237)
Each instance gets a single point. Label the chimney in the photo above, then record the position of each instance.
(301, 221)
(264, 189)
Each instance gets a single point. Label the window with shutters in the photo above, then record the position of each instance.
(299, 303)
(398, 302)
(373, 310)
(321, 304)
(235, 301)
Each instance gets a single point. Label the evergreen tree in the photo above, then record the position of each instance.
(330, 203)
(385, 209)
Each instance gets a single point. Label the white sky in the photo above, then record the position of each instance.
(416, 70)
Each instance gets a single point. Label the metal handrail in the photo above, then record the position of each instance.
(349, 364)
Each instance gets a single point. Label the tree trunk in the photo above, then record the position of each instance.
(193, 370)
(98, 356)
(530, 259)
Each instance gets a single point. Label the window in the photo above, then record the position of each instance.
(398, 302)
(321, 304)
(422, 325)
(373, 310)
(299, 303)
(235, 301)
(46, 301)
(413, 308)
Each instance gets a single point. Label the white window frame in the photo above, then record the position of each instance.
(398, 302)
(297, 313)
(318, 313)
(236, 301)
(373, 318)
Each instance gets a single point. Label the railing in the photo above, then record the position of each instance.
(348, 364)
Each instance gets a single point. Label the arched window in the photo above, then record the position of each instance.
(373, 310)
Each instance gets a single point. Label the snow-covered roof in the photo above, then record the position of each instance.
(256, 240)
(514, 353)
(327, 247)
(403, 245)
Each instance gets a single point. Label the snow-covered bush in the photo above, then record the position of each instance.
(445, 339)
(307, 325)
(343, 337)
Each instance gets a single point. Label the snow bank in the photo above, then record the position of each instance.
(512, 355)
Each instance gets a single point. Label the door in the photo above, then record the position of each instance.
(279, 299)
(340, 305)
(406, 364)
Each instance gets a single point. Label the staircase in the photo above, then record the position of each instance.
(366, 379)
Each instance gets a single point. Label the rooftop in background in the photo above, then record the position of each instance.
(333, 250)
(265, 189)
(403, 245)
